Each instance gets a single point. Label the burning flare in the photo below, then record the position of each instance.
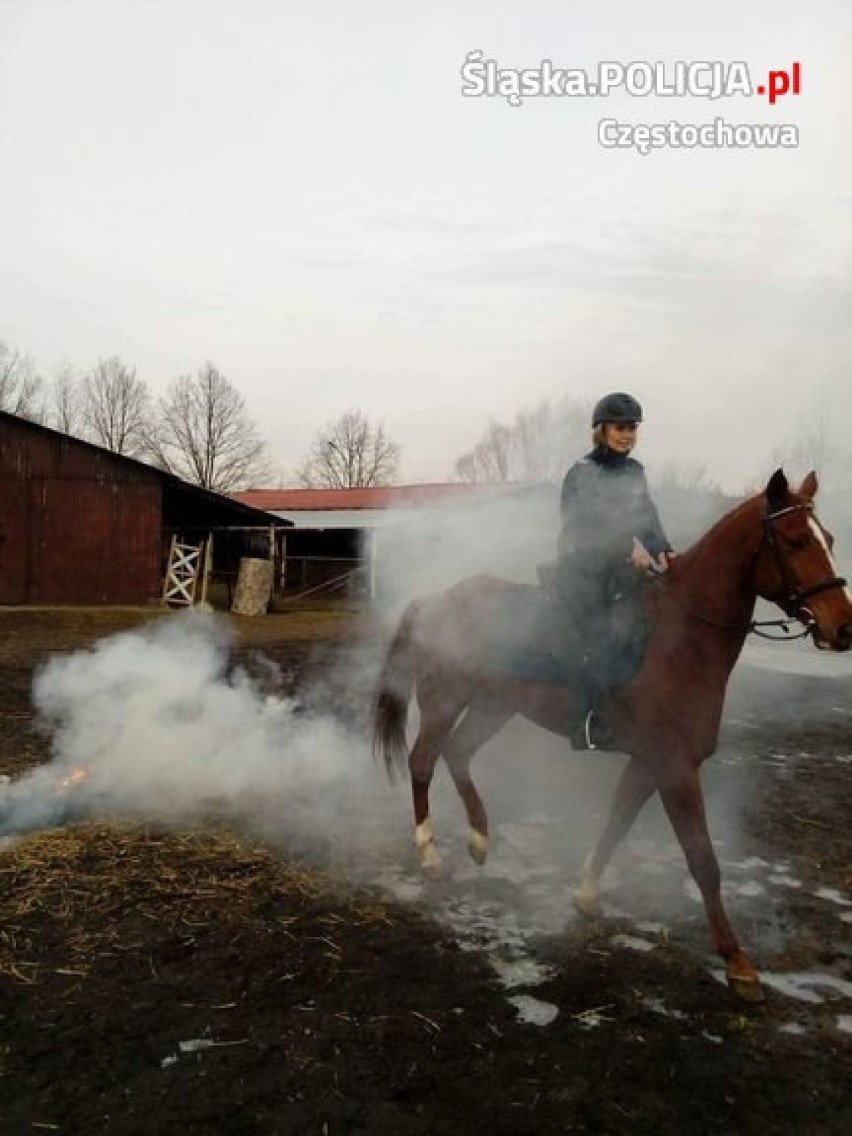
(78, 773)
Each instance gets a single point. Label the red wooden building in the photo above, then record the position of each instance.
(82, 525)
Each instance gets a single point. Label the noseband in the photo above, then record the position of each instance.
(794, 604)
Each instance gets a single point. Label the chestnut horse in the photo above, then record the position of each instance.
(666, 719)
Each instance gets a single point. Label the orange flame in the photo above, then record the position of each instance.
(78, 774)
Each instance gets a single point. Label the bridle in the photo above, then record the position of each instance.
(794, 603)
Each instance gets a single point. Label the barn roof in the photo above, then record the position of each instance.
(370, 498)
(184, 505)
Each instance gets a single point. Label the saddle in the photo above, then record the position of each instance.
(534, 638)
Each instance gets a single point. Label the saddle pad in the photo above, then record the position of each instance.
(532, 639)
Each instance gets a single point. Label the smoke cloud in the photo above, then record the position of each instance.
(167, 730)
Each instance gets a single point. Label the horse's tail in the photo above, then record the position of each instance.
(390, 702)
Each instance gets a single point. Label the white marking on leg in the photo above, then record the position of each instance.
(588, 878)
(586, 896)
(478, 845)
(430, 858)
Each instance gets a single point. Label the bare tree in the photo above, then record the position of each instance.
(204, 434)
(65, 403)
(116, 407)
(691, 477)
(812, 448)
(20, 386)
(537, 446)
(350, 452)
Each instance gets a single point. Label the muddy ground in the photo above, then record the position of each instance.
(259, 976)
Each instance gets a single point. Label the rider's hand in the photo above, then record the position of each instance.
(640, 557)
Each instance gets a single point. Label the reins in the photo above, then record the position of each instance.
(794, 605)
(751, 627)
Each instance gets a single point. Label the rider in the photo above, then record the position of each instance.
(610, 528)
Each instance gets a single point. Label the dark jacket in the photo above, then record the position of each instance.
(605, 504)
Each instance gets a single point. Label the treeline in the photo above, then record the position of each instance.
(540, 443)
(200, 429)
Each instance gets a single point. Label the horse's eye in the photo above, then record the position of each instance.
(799, 541)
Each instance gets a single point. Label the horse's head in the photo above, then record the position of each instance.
(795, 567)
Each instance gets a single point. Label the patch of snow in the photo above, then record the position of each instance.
(751, 888)
(833, 896)
(800, 984)
(658, 1006)
(632, 943)
(532, 1011)
(521, 971)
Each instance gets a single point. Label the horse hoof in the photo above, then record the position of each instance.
(588, 903)
(477, 846)
(430, 861)
(746, 988)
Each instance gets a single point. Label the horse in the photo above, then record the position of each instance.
(666, 718)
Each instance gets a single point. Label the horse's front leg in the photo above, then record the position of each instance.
(684, 804)
(634, 788)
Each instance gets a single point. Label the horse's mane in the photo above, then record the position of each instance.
(720, 527)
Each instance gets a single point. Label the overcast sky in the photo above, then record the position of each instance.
(301, 194)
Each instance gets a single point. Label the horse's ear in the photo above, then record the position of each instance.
(776, 489)
(809, 486)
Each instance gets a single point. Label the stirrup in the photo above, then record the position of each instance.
(581, 735)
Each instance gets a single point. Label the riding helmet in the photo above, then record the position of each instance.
(616, 407)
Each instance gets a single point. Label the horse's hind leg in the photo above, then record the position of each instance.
(479, 725)
(436, 720)
(635, 787)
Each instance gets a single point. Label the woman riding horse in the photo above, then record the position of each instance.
(610, 528)
(666, 718)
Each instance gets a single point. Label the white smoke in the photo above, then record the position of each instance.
(165, 730)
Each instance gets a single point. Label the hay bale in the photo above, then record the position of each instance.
(254, 587)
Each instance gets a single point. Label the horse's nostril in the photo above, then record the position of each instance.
(844, 636)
